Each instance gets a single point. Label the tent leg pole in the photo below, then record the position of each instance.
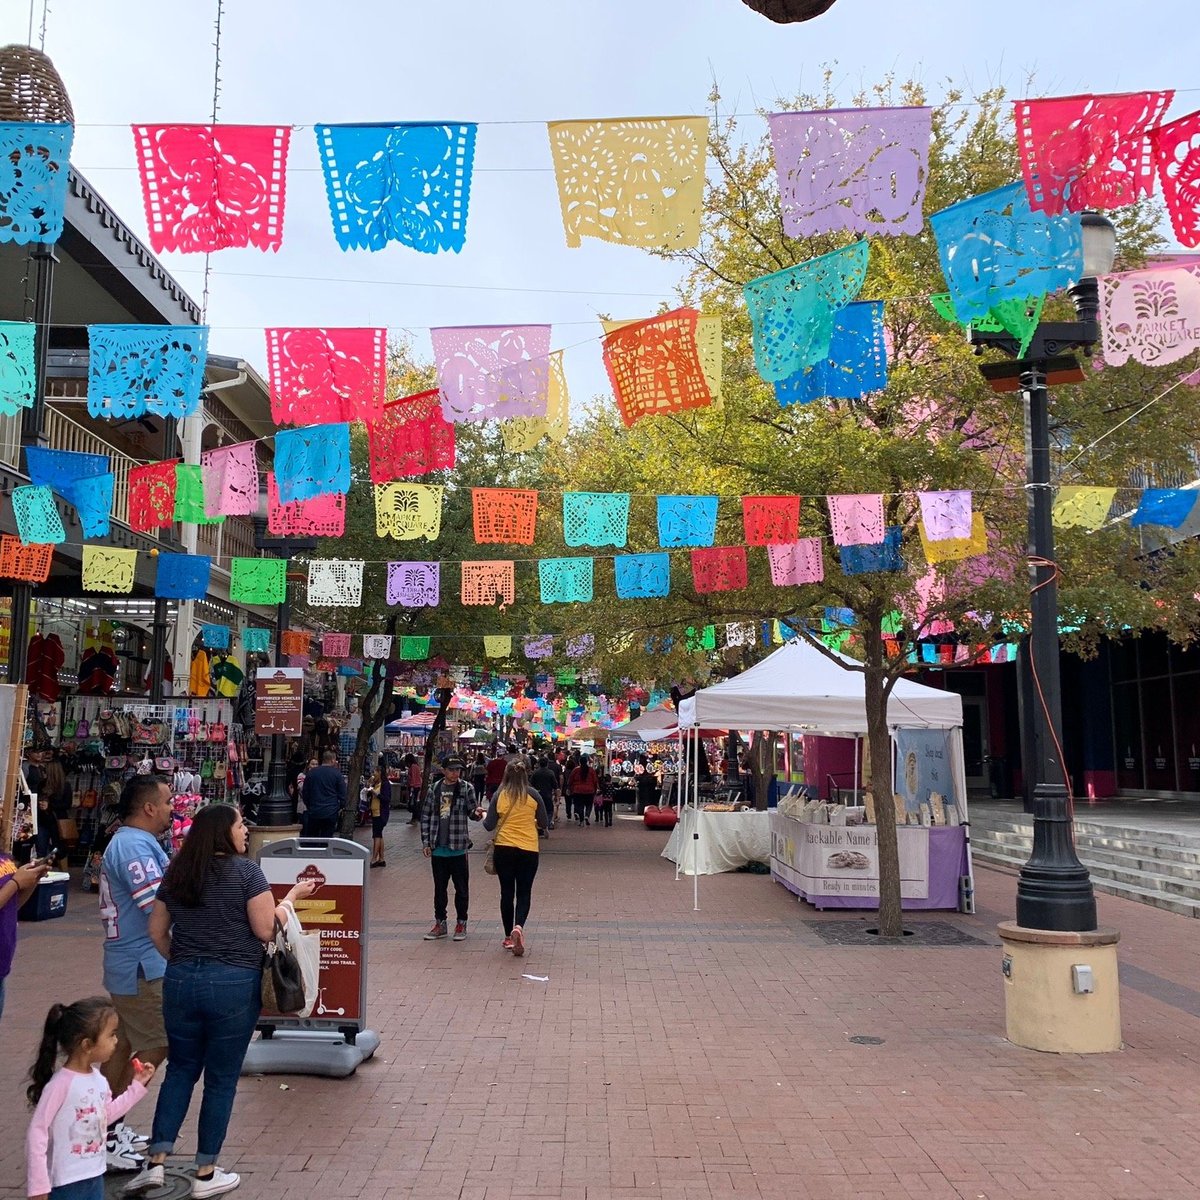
(696, 810)
(681, 784)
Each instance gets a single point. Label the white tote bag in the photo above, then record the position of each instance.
(307, 948)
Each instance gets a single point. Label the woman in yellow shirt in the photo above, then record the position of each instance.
(517, 813)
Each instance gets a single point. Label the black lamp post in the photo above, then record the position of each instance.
(1054, 890)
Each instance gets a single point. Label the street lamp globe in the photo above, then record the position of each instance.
(1099, 244)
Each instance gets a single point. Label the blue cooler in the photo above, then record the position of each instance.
(49, 898)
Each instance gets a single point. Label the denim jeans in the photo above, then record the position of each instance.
(81, 1189)
(210, 1009)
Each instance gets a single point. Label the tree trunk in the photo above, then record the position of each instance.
(445, 695)
(877, 689)
(374, 710)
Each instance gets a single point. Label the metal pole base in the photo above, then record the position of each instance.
(1054, 890)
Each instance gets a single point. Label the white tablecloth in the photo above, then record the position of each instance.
(728, 840)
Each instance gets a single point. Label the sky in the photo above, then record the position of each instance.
(512, 67)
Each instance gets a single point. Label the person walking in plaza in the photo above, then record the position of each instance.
(494, 772)
(479, 773)
(381, 812)
(55, 798)
(213, 913)
(544, 781)
(65, 1155)
(582, 785)
(516, 813)
(324, 796)
(445, 841)
(412, 779)
(131, 873)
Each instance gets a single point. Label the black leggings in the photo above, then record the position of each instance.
(515, 869)
(583, 802)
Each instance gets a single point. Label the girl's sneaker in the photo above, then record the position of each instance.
(149, 1177)
(508, 943)
(518, 941)
(217, 1184)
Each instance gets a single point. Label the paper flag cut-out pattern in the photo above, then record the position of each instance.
(857, 169)
(581, 646)
(1150, 316)
(1088, 151)
(213, 187)
(398, 183)
(698, 640)
(504, 515)
(18, 378)
(33, 181)
(994, 247)
(216, 637)
(492, 372)
(411, 437)
(565, 580)
(189, 496)
(295, 641)
(256, 640)
(857, 362)
(335, 582)
(93, 500)
(495, 646)
(139, 369)
(720, 569)
(108, 569)
(414, 584)
(1177, 156)
(230, 475)
(654, 366)
(298, 660)
(312, 462)
(770, 520)
(152, 493)
(539, 646)
(1169, 507)
(183, 576)
(856, 520)
(377, 645)
(884, 556)
(521, 434)
(1018, 317)
(37, 516)
(30, 563)
(258, 580)
(323, 375)
(792, 310)
(637, 182)
(595, 518)
(58, 468)
(335, 645)
(406, 511)
(741, 633)
(945, 514)
(1085, 507)
(489, 583)
(322, 516)
(642, 576)
(414, 649)
(686, 520)
(954, 549)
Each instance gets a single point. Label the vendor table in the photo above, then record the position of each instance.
(728, 840)
(834, 866)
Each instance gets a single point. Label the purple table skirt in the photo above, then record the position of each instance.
(947, 862)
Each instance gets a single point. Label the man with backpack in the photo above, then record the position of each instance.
(444, 841)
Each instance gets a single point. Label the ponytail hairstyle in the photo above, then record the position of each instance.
(514, 787)
(67, 1026)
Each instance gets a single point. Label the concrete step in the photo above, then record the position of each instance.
(1116, 836)
(1156, 856)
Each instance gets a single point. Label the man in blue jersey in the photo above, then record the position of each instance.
(131, 870)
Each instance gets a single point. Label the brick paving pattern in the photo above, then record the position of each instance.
(675, 1054)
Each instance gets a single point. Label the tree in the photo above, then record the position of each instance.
(937, 426)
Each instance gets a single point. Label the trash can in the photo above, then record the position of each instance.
(48, 900)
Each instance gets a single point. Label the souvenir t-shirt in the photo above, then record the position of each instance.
(66, 1139)
(130, 874)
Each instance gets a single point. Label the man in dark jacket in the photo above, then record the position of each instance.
(324, 796)
(445, 840)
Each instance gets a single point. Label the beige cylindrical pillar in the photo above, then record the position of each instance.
(1061, 991)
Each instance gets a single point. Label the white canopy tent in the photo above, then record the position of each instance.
(800, 689)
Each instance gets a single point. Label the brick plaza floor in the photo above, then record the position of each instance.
(679, 1054)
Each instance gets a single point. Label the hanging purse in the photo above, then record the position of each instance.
(282, 978)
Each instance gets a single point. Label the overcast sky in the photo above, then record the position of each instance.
(511, 67)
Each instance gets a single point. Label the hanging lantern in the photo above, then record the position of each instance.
(31, 90)
(787, 12)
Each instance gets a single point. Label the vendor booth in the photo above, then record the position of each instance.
(827, 853)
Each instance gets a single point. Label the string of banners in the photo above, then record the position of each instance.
(637, 182)
(948, 526)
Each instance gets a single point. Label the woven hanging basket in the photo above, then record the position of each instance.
(31, 90)
(785, 12)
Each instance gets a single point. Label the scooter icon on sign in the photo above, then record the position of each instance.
(321, 1010)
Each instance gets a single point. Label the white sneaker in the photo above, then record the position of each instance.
(121, 1156)
(149, 1177)
(217, 1184)
(129, 1136)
